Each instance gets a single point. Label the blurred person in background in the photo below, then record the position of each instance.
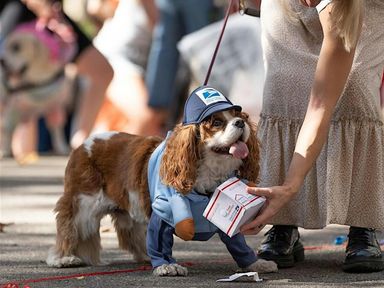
(125, 39)
(90, 64)
(238, 71)
(321, 127)
(176, 19)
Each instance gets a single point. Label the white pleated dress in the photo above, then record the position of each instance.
(346, 185)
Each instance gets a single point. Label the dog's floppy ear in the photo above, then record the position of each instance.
(251, 165)
(179, 163)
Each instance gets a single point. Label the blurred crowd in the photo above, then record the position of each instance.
(131, 65)
(125, 65)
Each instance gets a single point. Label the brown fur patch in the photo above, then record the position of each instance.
(117, 165)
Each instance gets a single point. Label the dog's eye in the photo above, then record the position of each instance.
(217, 123)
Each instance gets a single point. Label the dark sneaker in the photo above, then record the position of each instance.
(363, 253)
(282, 245)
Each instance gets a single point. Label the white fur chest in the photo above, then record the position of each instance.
(213, 170)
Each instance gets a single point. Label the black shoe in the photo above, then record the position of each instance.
(282, 246)
(363, 253)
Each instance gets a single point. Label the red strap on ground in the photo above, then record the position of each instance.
(24, 283)
(65, 277)
(324, 247)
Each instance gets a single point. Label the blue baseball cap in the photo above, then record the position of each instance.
(203, 102)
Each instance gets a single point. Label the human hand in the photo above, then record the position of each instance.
(277, 197)
(50, 15)
(43, 9)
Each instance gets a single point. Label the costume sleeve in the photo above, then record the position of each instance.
(181, 208)
(170, 205)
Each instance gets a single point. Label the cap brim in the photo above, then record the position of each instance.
(217, 107)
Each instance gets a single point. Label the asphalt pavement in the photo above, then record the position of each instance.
(29, 193)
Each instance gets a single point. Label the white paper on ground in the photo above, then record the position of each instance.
(238, 275)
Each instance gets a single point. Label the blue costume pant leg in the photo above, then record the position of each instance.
(239, 249)
(159, 241)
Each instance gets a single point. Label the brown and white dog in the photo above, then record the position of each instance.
(35, 81)
(108, 174)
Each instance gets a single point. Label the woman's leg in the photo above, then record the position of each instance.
(97, 72)
(129, 95)
(24, 142)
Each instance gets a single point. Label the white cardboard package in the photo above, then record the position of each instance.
(231, 206)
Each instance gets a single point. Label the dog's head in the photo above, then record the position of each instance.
(30, 56)
(215, 135)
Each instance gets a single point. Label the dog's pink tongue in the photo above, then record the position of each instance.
(239, 150)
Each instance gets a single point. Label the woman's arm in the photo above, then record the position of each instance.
(331, 74)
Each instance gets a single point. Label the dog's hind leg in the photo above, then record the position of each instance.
(79, 212)
(92, 208)
(67, 238)
(131, 235)
(78, 233)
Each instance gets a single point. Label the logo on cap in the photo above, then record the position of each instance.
(210, 95)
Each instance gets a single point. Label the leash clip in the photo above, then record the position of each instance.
(251, 11)
(242, 7)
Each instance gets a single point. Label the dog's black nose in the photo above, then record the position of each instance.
(239, 123)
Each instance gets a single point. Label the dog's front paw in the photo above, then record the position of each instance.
(261, 266)
(170, 270)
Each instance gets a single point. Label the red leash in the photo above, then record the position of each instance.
(65, 277)
(81, 275)
(141, 268)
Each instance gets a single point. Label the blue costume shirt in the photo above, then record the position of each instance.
(169, 204)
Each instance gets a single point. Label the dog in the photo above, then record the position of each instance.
(35, 81)
(154, 188)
